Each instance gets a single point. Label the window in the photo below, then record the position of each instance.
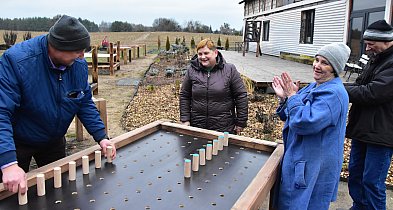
(266, 28)
(307, 27)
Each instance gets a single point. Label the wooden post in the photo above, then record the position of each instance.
(138, 51)
(118, 51)
(258, 52)
(145, 49)
(124, 52)
(78, 129)
(101, 106)
(118, 54)
(244, 49)
(94, 73)
(134, 52)
(111, 60)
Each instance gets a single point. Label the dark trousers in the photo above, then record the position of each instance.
(42, 155)
(368, 168)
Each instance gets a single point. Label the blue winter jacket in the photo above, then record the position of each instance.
(37, 102)
(314, 142)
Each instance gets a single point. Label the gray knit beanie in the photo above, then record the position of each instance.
(337, 54)
(379, 31)
(68, 34)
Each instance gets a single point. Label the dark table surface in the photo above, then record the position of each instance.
(149, 174)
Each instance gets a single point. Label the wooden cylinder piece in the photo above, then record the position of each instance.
(40, 184)
(187, 168)
(57, 177)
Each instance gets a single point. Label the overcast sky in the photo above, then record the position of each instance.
(213, 13)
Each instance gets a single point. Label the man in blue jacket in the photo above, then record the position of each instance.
(43, 85)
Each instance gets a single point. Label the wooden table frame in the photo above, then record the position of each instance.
(251, 198)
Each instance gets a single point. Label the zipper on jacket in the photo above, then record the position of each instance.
(60, 79)
(207, 100)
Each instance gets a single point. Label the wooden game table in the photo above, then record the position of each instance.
(148, 173)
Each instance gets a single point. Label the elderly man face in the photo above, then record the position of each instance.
(376, 47)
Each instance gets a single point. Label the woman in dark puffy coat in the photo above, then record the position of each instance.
(213, 95)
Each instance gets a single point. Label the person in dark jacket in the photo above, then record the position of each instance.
(212, 94)
(370, 124)
(314, 132)
(43, 85)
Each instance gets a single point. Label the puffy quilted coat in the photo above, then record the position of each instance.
(215, 100)
(35, 103)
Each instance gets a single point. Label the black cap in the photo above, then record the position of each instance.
(379, 31)
(68, 34)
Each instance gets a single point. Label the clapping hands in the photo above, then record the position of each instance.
(284, 87)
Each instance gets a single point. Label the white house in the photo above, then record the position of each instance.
(303, 26)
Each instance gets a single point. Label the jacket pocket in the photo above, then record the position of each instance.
(300, 181)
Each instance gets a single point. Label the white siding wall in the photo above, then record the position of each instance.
(285, 29)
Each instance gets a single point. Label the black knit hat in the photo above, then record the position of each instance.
(68, 34)
(379, 31)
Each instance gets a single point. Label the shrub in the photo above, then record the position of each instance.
(227, 44)
(10, 38)
(27, 36)
(159, 43)
(192, 43)
(219, 41)
(168, 44)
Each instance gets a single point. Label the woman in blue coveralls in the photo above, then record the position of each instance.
(314, 131)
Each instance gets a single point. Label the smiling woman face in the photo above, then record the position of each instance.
(207, 57)
(323, 71)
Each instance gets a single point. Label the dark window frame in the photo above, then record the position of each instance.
(266, 30)
(307, 26)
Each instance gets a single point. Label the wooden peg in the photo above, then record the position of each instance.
(187, 168)
(220, 143)
(109, 154)
(226, 140)
(57, 177)
(22, 198)
(215, 147)
(202, 157)
(85, 164)
(209, 150)
(195, 162)
(72, 171)
(40, 184)
(97, 158)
